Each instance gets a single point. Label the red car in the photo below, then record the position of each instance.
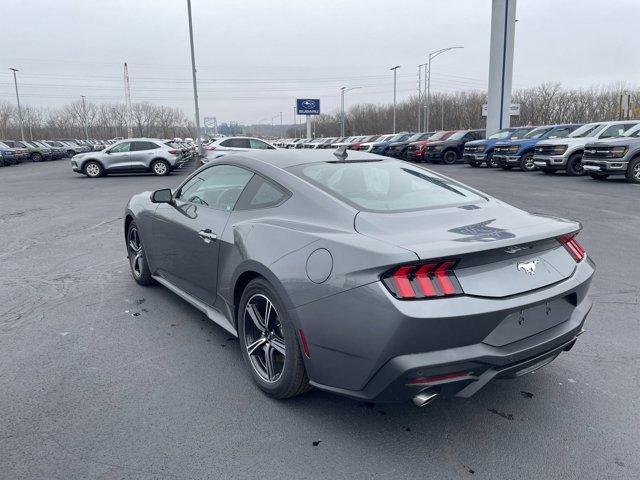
(415, 150)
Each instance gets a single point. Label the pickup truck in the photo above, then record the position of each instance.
(478, 152)
(451, 149)
(519, 153)
(617, 156)
(551, 156)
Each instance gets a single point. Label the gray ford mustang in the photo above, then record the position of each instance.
(362, 275)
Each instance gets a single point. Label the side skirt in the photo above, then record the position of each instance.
(213, 314)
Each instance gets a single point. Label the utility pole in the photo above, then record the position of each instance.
(84, 117)
(342, 89)
(433, 55)
(195, 83)
(15, 82)
(419, 94)
(395, 70)
(127, 96)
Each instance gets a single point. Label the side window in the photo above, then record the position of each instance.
(259, 144)
(261, 193)
(121, 147)
(217, 187)
(139, 146)
(469, 136)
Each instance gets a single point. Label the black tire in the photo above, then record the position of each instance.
(36, 157)
(506, 167)
(574, 165)
(93, 169)
(547, 171)
(450, 157)
(633, 171)
(291, 379)
(137, 257)
(475, 164)
(70, 153)
(526, 162)
(160, 168)
(599, 176)
(490, 162)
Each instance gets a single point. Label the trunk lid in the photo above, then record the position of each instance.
(502, 250)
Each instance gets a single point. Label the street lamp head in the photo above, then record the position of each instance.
(394, 68)
(14, 69)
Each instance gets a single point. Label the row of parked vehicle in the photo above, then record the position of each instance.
(13, 152)
(598, 149)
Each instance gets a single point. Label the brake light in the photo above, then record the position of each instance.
(423, 280)
(572, 246)
(174, 152)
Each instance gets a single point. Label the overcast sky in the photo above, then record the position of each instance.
(255, 57)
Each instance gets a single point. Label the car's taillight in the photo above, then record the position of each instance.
(423, 280)
(174, 152)
(573, 247)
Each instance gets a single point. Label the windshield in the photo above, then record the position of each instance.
(458, 135)
(632, 132)
(417, 137)
(537, 132)
(440, 135)
(385, 186)
(520, 133)
(587, 130)
(501, 134)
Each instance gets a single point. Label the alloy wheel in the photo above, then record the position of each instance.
(636, 172)
(93, 170)
(264, 338)
(135, 252)
(528, 164)
(159, 168)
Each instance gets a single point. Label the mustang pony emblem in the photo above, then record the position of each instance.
(528, 267)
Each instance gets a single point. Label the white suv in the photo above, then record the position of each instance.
(224, 146)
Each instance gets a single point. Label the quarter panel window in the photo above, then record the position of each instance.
(259, 144)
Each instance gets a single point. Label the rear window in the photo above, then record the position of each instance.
(385, 186)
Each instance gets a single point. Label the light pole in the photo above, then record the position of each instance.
(395, 71)
(433, 55)
(343, 90)
(15, 82)
(420, 94)
(84, 117)
(195, 83)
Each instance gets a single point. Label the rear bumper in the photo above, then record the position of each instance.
(550, 162)
(609, 167)
(372, 347)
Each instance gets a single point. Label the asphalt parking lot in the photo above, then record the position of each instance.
(102, 378)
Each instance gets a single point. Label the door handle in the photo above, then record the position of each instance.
(207, 235)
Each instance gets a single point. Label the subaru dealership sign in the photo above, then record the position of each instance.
(308, 106)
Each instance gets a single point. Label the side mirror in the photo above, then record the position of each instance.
(162, 196)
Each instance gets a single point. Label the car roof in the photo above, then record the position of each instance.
(288, 158)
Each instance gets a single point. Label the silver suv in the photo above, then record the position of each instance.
(131, 155)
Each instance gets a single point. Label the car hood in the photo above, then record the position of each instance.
(566, 141)
(622, 141)
(456, 230)
(521, 141)
(381, 144)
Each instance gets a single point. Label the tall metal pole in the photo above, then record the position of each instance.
(433, 55)
(424, 94)
(84, 117)
(395, 70)
(195, 83)
(426, 127)
(15, 82)
(419, 96)
(342, 89)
